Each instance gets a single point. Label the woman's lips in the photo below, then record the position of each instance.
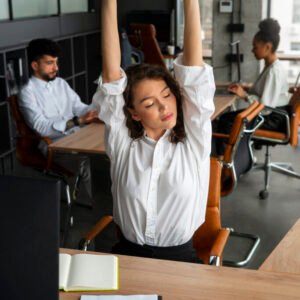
(167, 117)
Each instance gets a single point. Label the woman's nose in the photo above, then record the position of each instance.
(162, 106)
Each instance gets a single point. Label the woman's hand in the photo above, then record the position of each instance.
(238, 90)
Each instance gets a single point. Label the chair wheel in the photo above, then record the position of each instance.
(264, 194)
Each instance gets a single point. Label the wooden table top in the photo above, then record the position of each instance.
(286, 256)
(178, 280)
(90, 139)
(222, 103)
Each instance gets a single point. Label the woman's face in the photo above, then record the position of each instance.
(261, 49)
(154, 105)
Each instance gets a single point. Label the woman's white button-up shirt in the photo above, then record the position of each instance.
(159, 188)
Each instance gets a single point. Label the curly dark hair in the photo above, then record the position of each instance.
(137, 73)
(269, 32)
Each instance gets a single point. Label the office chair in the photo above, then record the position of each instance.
(209, 239)
(237, 160)
(28, 154)
(270, 138)
(129, 55)
(143, 37)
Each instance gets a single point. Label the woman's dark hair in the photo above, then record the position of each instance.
(138, 73)
(269, 32)
(39, 47)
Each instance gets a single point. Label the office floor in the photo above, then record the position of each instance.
(242, 210)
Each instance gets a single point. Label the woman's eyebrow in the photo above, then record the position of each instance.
(149, 97)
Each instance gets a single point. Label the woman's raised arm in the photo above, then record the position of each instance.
(192, 47)
(110, 44)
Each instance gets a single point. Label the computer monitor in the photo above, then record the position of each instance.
(29, 227)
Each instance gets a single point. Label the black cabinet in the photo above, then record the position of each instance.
(6, 142)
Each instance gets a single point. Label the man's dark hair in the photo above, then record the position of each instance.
(39, 47)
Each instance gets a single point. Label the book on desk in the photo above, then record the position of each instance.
(88, 272)
(121, 297)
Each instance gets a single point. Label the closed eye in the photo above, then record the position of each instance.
(149, 105)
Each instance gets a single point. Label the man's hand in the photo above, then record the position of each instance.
(89, 117)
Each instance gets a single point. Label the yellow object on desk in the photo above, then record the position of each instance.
(88, 272)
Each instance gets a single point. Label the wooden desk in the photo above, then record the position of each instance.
(90, 139)
(222, 103)
(289, 56)
(286, 256)
(177, 280)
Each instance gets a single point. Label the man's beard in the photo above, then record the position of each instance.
(46, 77)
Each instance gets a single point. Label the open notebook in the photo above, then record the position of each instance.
(88, 272)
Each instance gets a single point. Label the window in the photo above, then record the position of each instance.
(288, 16)
(4, 12)
(295, 46)
(296, 11)
(73, 6)
(206, 22)
(33, 8)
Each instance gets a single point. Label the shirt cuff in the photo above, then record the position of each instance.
(60, 126)
(116, 87)
(193, 75)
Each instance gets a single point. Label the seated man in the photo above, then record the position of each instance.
(51, 107)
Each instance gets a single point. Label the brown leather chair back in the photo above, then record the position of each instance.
(27, 142)
(143, 37)
(210, 231)
(295, 116)
(229, 176)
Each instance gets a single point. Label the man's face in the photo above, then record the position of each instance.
(45, 68)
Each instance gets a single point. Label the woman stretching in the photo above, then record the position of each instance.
(158, 139)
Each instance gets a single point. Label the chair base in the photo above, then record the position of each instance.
(268, 166)
(250, 253)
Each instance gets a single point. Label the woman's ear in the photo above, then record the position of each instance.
(269, 46)
(134, 114)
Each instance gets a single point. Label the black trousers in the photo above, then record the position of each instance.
(184, 252)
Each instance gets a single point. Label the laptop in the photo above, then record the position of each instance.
(29, 228)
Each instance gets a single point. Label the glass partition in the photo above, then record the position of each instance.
(4, 12)
(73, 6)
(34, 8)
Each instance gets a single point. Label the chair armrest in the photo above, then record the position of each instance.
(259, 123)
(98, 228)
(46, 139)
(218, 247)
(276, 110)
(220, 135)
(287, 135)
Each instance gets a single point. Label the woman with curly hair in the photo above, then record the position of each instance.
(158, 139)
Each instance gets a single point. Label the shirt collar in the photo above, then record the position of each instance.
(151, 141)
(42, 83)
